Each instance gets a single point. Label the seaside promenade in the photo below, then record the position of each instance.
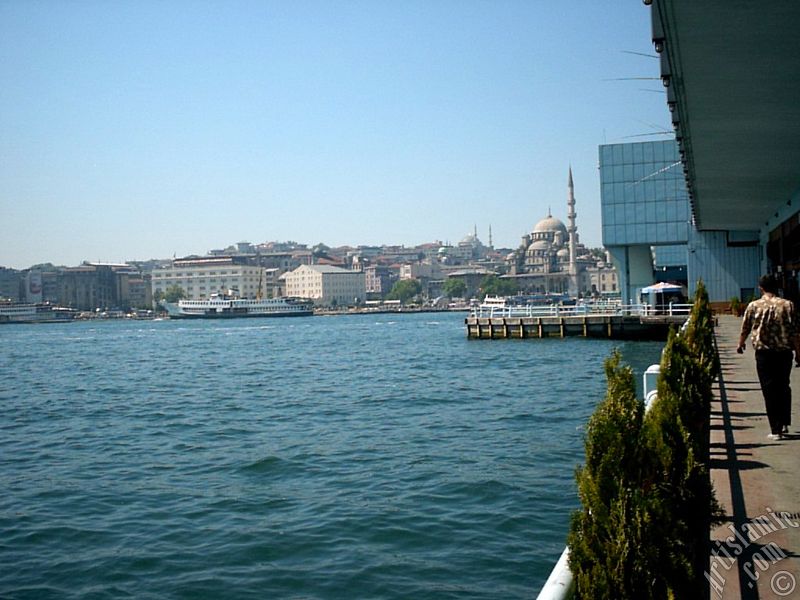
(757, 483)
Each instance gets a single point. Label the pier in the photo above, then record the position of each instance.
(636, 322)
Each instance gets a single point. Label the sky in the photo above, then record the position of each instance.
(146, 129)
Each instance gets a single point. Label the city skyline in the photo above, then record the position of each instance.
(138, 131)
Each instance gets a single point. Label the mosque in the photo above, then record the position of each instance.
(551, 259)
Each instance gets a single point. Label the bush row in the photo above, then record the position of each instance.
(647, 501)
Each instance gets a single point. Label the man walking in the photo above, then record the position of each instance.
(775, 334)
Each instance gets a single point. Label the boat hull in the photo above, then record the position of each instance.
(217, 315)
(236, 309)
(34, 313)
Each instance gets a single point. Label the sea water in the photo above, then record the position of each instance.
(364, 456)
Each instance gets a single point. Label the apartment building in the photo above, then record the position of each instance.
(326, 285)
(199, 277)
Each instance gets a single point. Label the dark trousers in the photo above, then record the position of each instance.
(774, 368)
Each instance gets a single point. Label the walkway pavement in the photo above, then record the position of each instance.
(757, 483)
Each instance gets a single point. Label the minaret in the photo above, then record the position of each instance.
(572, 229)
(490, 238)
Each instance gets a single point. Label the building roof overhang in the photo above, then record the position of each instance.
(732, 75)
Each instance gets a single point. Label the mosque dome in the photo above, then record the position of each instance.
(563, 254)
(550, 225)
(470, 240)
(538, 246)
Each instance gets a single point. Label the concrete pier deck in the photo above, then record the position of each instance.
(757, 482)
(636, 327)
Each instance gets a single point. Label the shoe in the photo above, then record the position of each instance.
(775, 436)
(785, 429)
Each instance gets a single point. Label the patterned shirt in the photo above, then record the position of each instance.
(772, 323)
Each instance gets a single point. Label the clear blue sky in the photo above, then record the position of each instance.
(138, 129)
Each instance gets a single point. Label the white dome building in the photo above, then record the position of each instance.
(470, 247)
(547, 229)
(546, 261)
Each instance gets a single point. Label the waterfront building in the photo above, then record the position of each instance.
(10, 284)
(140, 291)
(600, 279)
(471, 276)
(32, 286)
(326, 285)
(712, 203)
(420, 271)
(199, 277)
(86, 287)
(649, 231)
(96, 285)
(50, 286)
(378, 280)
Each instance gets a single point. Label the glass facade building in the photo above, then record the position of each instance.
(643, 194)
(648, 231)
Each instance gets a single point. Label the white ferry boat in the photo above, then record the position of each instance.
(228, 307)
(34, 313)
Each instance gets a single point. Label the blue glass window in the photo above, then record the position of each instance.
(628, 172)
(658, 151)
(641, 215)
(629, 194)
(650, 212)
(608, 193)
(638, 154)
(661, 212)
(627, 154)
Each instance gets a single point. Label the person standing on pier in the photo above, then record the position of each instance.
(775, 334)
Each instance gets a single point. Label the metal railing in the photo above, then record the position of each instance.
(560, 585)
(579, 310)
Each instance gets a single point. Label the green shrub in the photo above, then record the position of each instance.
(647, 501)
(700, 334)
(675, 433)
(608, 537)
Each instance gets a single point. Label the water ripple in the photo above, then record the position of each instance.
(347, 457)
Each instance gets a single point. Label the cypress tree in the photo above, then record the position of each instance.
(609, 536)
(683, 501)
(700, 334)
(699, 337)
(647, 500)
